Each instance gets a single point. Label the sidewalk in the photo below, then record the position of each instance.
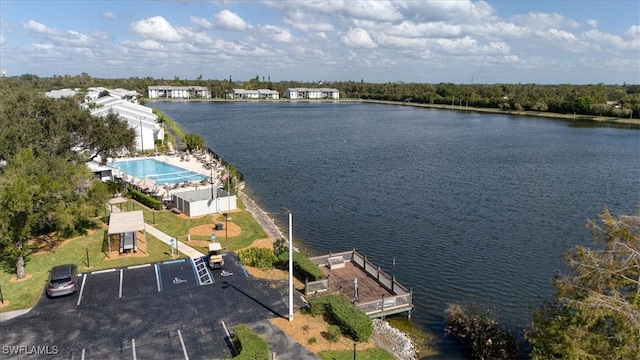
(180, 246)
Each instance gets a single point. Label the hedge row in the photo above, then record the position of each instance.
(305, 269)
(249, 344)
(340, 311)
(145, 199)
(262, 258)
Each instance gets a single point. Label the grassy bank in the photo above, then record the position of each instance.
(622, 122)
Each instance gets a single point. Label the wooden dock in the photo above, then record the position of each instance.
(378, 294)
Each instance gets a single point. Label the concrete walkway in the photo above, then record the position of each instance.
(180, 246)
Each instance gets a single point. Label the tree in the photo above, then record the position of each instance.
(193, 141)
(596, 310)
(16, 214)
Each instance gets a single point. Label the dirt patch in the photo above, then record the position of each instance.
(15, 278)
(50, 242)
(232, 230)
(5, 303)
(305, 327)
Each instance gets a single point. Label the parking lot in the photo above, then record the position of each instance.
(171, 310)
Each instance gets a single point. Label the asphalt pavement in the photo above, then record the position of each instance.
(152, 311)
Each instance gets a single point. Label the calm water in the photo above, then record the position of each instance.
(473, 207)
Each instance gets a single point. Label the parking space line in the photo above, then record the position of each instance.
(103, 271)
(82, 354)
(120, 291)
(84, 278)
(138, 266)
(158, 277)
(133, 348)
(173, 261)
(184, 349)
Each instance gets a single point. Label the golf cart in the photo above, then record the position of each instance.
(215, 256)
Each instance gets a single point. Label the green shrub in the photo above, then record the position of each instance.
(312, 340)
(249, 344)
(340, 311)
(145, 199)
(481, 333)
(333, 333)
(262, 258)
(304, 269)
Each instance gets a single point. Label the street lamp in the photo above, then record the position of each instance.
(141, 137)
(290, 270)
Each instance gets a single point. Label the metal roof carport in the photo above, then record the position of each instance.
(126, 222)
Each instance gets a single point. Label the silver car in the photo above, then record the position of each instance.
(62, 280)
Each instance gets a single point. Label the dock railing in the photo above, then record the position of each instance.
(401, 301)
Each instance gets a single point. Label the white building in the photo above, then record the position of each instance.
(93, 93)
(139, 117)
(253, 94)
(179, 92)
(312, 93)
(201, 202)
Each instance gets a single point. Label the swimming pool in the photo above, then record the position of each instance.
(161, 173)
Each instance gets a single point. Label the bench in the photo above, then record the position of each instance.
(335, 262)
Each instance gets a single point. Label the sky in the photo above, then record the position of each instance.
(413, 41)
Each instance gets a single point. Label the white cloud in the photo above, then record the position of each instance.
(109, 15)
(541, 21)
(358, 38)
(228, 20)
(202, 22)
(606, 41)
(456, 11)
(157, 28)
(150, 45)
(276, 33)
(633, 31)
(36, 27)
(1, 40)
(373, 10)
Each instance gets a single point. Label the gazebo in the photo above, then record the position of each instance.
(124, 228)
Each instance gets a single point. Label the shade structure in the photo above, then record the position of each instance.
(146, 183)
(124, 226)
(122, 222)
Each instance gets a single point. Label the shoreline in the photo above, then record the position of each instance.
(630, 123)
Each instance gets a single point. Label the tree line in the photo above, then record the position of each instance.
(595, 99)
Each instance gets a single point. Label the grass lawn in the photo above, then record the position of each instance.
(178, 227)
(25, 293)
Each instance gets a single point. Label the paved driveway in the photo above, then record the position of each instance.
(170, 310)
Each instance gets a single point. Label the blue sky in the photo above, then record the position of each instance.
(544, 42)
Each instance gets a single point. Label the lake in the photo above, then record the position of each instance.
(474, 208)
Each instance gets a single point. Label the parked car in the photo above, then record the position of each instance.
(62, 280)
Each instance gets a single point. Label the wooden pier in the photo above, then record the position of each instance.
(378, 294)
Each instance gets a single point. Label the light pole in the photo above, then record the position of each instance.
(290, 270)
(141, 137)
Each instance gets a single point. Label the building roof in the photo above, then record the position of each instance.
(57, 94)
(123, 222)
